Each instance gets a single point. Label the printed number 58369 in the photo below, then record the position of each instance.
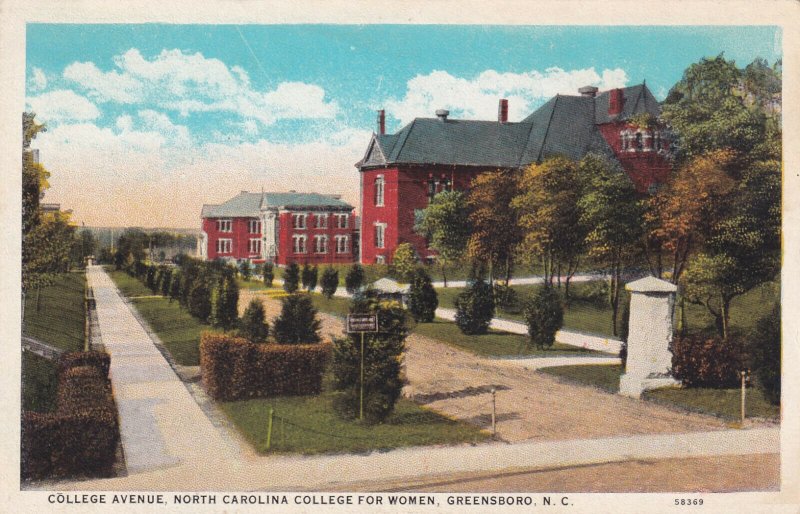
(688, 501)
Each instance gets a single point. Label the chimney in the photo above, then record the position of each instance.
(589, 91)
(615, 102)
(502, 111)
(381, 122)
(442, 114)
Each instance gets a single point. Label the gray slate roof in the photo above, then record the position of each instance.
(249, 205)
(565, 125)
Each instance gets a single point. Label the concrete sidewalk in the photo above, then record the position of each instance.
(161, 424)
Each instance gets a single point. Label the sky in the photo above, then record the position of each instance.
(146, 123)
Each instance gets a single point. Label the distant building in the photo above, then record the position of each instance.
(281, 228)
(400, 173)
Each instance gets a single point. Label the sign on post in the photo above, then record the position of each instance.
(362, 323)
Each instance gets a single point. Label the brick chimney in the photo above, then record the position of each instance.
(381, 122)
(615, 102)
(502, 111)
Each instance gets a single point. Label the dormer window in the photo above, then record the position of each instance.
(639, 145)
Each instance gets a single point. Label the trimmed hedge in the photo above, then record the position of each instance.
(233, 368)
(701, 361)
(80, 437)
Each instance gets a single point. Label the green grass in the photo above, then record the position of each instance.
(494, 343)
(309, 425)
(177, 329)
(336, 305)
(39, 383)
(724, 403)
(60, 317)
(129, 286)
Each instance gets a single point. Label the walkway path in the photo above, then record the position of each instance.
(160, 422)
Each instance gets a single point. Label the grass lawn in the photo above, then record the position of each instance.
(129, 286)
(309, 425)
(59, 319)
(494, 343)
(336, 305)
(718, 402)
(176, 328)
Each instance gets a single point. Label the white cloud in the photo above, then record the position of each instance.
(38, 80)
(477, 98)
(62, 105)
(189, 83)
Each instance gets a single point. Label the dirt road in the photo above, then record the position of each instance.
(530, 405)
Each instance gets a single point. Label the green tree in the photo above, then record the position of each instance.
(46, 249)
(309, 277)
(422, 299)
(297, 323)
(224, 303)
(199, 301)
(253, 325)
(445, 224)
(475, 308)
(268, 273)
(175, 286)
(246, 270)
(354, 279)
(765, 351)
(495, 228)
(383, 359)
(404, 262)
(549, 217)
(610, 207)
(544, 316)
(291, 277)
(166, 282)
(329, 281)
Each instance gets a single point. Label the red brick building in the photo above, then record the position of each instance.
(281, 228)
(401, 172)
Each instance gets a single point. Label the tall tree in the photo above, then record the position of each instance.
(445, 224)
(612, 210)
(495, 230)
(549, 216)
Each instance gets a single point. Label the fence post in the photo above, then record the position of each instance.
(494, 412)
(743, 374)
(269, 428)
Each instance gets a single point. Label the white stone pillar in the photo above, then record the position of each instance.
(649, 334)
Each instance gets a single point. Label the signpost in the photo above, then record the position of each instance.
(361, 324)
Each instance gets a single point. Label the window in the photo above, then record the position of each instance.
(380, 259)
(255, 227)
(320, 244)
(639, 142)
(379, 183)
(341, 244)
(299, 221)
(380, 231)
(254, 246)
(322, 221)
(224, 226)
(341, 220)
(299, 244)
(224, 245)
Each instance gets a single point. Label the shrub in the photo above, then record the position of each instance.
(235, 369)
(765, 351)
(224, 303)
(166, 282)
(544, 315)
(383, 380)
(80, 437)
(253, 325)
(245, 270)
(595, 291)
(200, 301)
(700, 361)
(475, 308)
(624, 324)
(309, 277)
(268, 272)
(329, 282)
(175, 286)
(422, 299)
(404, 262)
(506, 298)
(150, 279)
(291, 277)
(354, 279)
(297, 322)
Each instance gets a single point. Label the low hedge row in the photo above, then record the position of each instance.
(700, 361)
(80, 437)
(233, 368)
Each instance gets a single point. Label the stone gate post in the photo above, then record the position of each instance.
(649, 334)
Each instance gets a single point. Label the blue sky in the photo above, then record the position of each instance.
(144, 118)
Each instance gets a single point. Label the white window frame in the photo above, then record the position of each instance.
(380, 190)
(224, 225)
(254, 246)
(342, 220)
(299, 244)
(342, 243)
(299, 221)
(380, 228)
(321, 220)
(254, 224)
(321, 244)
(224, 246)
